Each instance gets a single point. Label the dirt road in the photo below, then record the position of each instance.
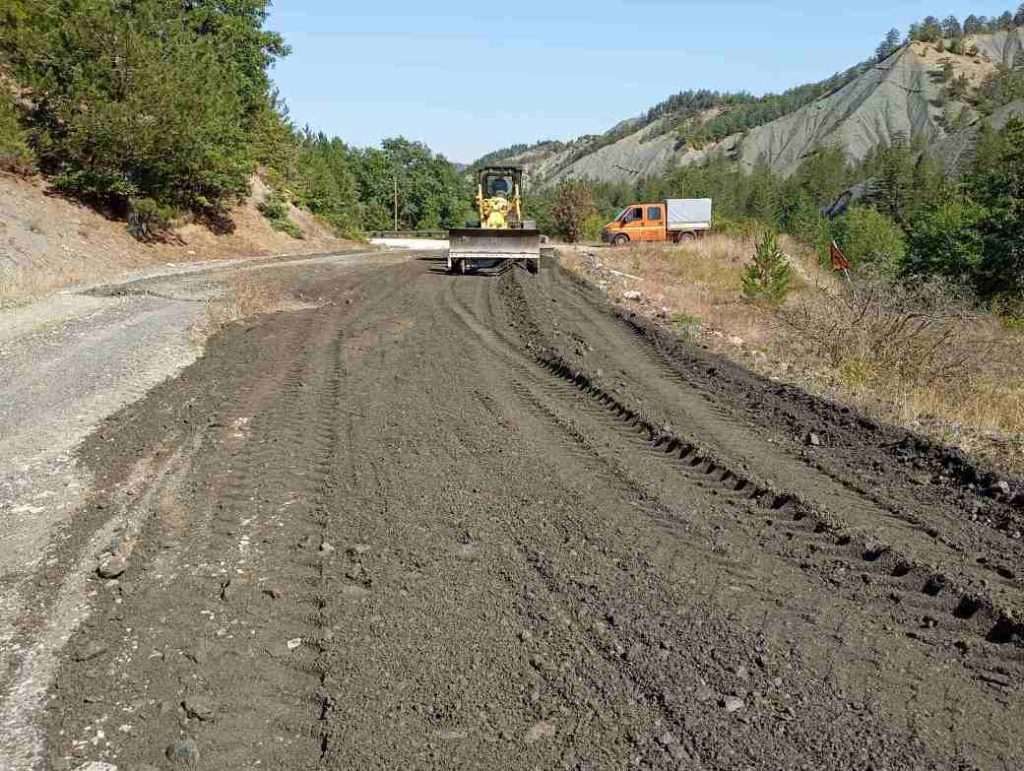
(482, 522)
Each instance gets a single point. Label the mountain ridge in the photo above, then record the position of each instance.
(907, 94)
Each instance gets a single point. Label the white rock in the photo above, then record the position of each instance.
(541, 731)
(732, 704)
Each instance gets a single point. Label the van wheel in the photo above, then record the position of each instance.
(685, 238)
(620, 240)
(533, 267)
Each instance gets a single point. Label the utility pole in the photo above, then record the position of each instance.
(396, 202)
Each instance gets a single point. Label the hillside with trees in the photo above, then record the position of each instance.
(158, 112)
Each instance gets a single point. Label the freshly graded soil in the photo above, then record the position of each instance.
(487, 522)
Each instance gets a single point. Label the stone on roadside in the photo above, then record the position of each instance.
(111, 566)
(1000, 489)
(732, 704)
(198, 708)
(540, 731)
(632, 295)
(673, 746)
(183, 753)
(96, 766)
(812, 440)
(89, 651)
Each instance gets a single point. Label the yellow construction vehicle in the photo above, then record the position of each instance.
(503, 237)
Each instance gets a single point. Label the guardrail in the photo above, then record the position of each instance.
(432, 234)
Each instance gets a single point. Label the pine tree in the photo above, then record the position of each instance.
(951, 28)
(931, 29)
(767, 277)
(974, 25)
(1018, 18)
(889, 46)
(997, 183)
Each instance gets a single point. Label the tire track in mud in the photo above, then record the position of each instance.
(245, 555)
(625, 651)
(823, 536)
(926, 517)
(422, 536)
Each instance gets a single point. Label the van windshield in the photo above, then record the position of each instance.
(621, 215)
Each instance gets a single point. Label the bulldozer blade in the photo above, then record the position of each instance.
(482, 244)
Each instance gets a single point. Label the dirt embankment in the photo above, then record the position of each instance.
(486, 523)
(48, 243)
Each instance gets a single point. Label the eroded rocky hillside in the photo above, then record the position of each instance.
(911, 93)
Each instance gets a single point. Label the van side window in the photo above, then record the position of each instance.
(638, 215)
(654, 213)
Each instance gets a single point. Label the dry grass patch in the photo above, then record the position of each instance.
(18, 285)
(693, 284)
(247, 294)
(922, 356)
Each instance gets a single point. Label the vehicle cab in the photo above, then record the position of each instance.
(637, 223)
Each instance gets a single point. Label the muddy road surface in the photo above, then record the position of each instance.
(484, 522)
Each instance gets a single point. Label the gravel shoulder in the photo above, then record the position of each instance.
(486, 522)
(67, 363)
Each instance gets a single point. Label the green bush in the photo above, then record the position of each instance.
(592, 227)
(767, 277)
(148, 220)
(946, 242)
(574, 204)
(15, 154)
(275, 209)
(870, 238)
(741, 228)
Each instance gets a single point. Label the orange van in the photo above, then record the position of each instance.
(677, 219)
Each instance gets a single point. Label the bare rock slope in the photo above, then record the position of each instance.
(905, 95)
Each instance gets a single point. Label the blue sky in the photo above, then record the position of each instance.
(467, 80)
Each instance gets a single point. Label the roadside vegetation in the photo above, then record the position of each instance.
(907, 218)
(926, 330)
(15, 155)
(923, 354)
(160, 112)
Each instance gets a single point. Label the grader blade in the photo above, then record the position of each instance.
(471, 248)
